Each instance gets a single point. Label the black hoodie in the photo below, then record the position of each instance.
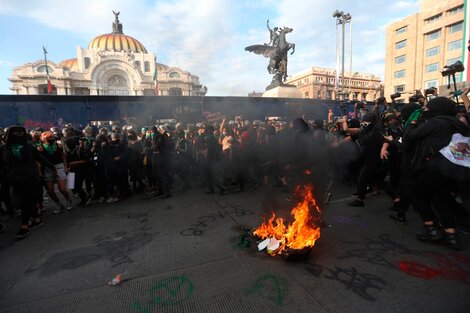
(439, 131)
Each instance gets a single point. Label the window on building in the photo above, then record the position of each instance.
(329, 94)
(364, 96)
(306, 94)
(455, 28)
(433, 18)
(454, 45)
(433, 51)
(432, 67)
(42, 89)
(355, 95)
(81, 91)
(137, 64)
(87, 62)
(174, 75)
(453, 60)
(431, 83)
(401, 30)
(455, 10)
(433, 35)
(400, 59)
(399, 88)
(318, 94)
(400, 74)
(176, 91)
(42, 69)
(146, 66)
(400, 44)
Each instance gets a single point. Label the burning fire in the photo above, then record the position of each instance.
(302, 233)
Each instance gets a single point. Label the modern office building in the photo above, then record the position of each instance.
(419, 46)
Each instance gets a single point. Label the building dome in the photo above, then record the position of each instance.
(71, 64)
(116, 41)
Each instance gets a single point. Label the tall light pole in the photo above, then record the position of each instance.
(341, 19)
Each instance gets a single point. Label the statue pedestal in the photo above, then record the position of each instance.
(283, 92)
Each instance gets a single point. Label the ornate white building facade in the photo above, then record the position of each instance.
(113, 64)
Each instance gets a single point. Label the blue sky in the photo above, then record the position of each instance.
(205, 37)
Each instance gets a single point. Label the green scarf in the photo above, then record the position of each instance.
(51, 148)
(413, 117)
(17, 150)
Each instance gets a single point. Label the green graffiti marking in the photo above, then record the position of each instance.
(269, 283)
(169, 291)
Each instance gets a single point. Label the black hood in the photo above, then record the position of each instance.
(15, 135)
(456, 124)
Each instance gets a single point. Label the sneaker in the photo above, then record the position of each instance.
(23, 232)
(430, 233)
(58, 210)
(88, 201)
(69, 205)
(356, 203)
(165, 195)
(464, 228)
(399, 217)
(452, 241)
(35, 224)
(111, 200)
(151, 193)
(101, 200)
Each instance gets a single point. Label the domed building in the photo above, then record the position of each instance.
(112, 64)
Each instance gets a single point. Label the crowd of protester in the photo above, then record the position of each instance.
(378, 149)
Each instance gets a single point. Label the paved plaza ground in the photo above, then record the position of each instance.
(182, 254)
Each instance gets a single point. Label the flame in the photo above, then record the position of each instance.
(302, 233)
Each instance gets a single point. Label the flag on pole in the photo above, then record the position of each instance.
(155, 75)
(49, 85)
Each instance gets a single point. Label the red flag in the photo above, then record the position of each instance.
(49, 86)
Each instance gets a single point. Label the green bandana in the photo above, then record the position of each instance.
(17, 150)
(51, 148)
(413, 117)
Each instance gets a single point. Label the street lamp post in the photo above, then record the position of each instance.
(341, 19)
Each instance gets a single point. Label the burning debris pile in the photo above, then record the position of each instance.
(300, 236)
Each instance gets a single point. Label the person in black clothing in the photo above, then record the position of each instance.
(5, 185)
(213, 152)
(391, 154)
(161, 164)
(136, 158)
(120, 166)
(18, 164)
(102, 162)
(433, 188)
(78, 162)
(407, 179)
(370, 141)
(183, 159)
